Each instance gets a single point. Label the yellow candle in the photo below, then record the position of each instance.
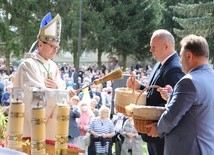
(15, 125)
(38, 131)
(62, 125)
(62, 119)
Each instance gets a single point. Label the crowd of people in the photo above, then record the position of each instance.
(186, 127)
(90, 105)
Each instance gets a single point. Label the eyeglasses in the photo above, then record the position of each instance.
(52, 46)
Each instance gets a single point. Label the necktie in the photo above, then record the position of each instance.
(156, 73)
(153, 79)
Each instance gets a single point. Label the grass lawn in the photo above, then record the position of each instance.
(145, 149)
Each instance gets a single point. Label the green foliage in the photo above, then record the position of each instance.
(119, 27)
(131, 23)
(168, 13)
(69, 12)
(98, 32)
(198, 25)
(18, 16)
(194, 10)
(111, 26)
(195, 19)
(70, 23)
(150, 21)
(19, 24)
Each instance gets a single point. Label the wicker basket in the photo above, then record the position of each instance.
(125, 96)
(129, 109)
(140, 124)
(144, 115)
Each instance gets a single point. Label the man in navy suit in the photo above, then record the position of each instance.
(188, 123)
(167, 71)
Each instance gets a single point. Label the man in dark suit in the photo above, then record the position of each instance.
(188, 124)
(167, 71)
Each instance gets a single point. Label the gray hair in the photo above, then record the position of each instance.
(103, 108)
(164, 35)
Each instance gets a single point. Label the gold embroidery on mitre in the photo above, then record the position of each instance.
(52, 31)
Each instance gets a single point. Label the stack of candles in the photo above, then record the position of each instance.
(16, 120)
(62, 125)
(38, 145)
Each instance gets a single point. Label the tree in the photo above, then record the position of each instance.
(133, 23)
(196, 19)
(25, 24)
(19, 26)
(98, 32)
(70, 26)
(8, 36)
(120, 27)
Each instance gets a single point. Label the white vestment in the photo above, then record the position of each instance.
(31, 73)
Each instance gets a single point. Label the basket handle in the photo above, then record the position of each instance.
(145, 89)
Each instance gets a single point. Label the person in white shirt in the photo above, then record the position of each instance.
(38, 70)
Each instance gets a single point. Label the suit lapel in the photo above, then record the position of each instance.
(163, 68)
(152, 75)
(156, 75)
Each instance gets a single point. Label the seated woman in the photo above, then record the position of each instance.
(102, 131)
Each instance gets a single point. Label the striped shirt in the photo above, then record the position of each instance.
(101, 127)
